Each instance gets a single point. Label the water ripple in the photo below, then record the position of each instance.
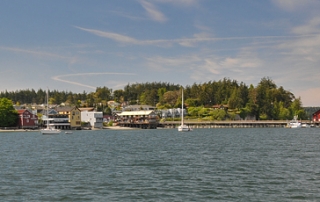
(162, 165)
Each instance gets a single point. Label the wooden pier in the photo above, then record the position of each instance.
(142, 125)
(230, 124)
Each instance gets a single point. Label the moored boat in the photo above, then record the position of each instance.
(294, 123)
(183, 127)
(49, 129)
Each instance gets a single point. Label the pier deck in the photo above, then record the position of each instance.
(230, 124)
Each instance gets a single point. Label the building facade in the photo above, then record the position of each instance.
(73, 114)
(316, 116)
(93, 118)
(56, 120)
(146, 119)
(27, 119)
(75, 118)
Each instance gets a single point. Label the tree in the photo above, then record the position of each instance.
(161, 92)
(8, 115)
(118, 95)
(171, 97)
(296, 109)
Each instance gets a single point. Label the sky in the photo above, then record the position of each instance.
(79, 45)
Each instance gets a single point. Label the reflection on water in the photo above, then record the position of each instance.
(266, 164)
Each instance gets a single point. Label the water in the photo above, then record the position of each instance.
(265, 164)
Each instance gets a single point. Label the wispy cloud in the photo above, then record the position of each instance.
(33, 52)
(41, 54)
(198, 38)
(152, 11)
(64, 78)
(179, 2)
(311, 27)
(292, 5)
(114, 36)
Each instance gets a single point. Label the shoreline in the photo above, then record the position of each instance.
(104, 128)
(19, 130)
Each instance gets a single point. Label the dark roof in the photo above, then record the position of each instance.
(64, 109)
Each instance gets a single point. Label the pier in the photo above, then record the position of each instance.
(230, 124)
(141, 125)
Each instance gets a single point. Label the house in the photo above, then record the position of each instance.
(56, 120)
(316, 116)
(27, 120)
(95, 119)
(89, 109)
(74, 116)
(173, 113)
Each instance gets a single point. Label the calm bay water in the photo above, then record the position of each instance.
(266, 164)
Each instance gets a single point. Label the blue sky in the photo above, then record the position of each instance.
(78, 45)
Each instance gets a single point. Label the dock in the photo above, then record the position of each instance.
(231, 124)
(141, 125)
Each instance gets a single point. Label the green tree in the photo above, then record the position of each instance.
(284, 113)
(218, 114)
(296, 109)
(118, 95)
(161, 92)
(8, 115)
(193, 111)
(171, 97)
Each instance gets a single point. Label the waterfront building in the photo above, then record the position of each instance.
(138, 119)
(27, 119)
(93, 118)
(316, 116)
(74, 116)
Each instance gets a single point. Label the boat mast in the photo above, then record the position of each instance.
(182, 109)
(47, 109)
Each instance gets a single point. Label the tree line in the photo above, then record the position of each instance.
(264, 101)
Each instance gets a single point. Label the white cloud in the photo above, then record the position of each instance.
(313, 26)
(152, 11)
(66, 78)
(116, 37)
(186, 42)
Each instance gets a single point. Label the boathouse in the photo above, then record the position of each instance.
(316, 116)
(27, 120)
(144, 119)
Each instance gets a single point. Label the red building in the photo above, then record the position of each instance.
(27, 119)
(316, 116)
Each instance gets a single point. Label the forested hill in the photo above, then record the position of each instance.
(265, 100)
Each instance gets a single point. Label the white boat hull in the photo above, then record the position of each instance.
(295, 125)
(50, 131)
(184, 128)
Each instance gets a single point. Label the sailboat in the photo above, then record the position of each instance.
(49, 130)
(183, 127)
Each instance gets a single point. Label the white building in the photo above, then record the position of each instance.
(94, 118)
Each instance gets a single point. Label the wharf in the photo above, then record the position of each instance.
(230, 124)
(141, 125)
